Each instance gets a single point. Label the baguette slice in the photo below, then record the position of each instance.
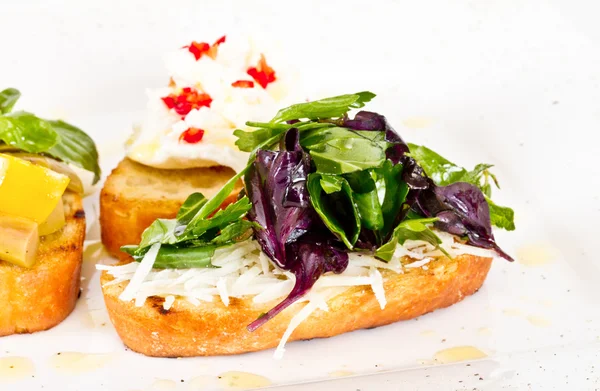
(215, 329)
(135, 195)
(41, 297)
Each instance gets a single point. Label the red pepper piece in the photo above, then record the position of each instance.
(187, 100)
(243, 84)
(263, 74)
(192, 136)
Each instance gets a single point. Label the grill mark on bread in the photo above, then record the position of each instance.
(157, 303)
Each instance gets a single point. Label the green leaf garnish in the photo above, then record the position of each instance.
(76, 147)
(413, 230)
(8, 98)
(334, 107)
(337, 209)
(23, 131)
(443, 172)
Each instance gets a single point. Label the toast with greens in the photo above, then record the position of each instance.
(42, 222)
(340, 225)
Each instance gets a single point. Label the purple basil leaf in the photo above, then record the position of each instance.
(367, 120)
(462, 210)
(276, 185)
(309, 258)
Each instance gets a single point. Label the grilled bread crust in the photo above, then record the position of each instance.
(215, 329)
(41, 297)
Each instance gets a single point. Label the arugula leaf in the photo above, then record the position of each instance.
(160, 231)
(409, 230)
(223, 217)
(211, 205)
(337, 210)
(248, 141)
(501, 216)
(235, 232)
(334, 107)
(341, 156)
(190, 208)
(8, 98)
(171, 257)
(27, 132)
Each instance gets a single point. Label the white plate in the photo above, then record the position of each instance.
(510, 83)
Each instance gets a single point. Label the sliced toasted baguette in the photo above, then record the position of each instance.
(215, 329)
(41, 297)
(135, 195)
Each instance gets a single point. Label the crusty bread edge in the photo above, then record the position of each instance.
(214, 329)
(40, 298)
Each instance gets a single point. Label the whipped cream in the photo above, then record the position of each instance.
(214, 89)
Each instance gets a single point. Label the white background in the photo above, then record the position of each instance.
(513, 83)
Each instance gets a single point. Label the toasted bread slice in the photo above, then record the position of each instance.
(135, 195)
(215, 329)
(41, 297)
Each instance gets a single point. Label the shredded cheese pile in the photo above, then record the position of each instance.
(243, 270)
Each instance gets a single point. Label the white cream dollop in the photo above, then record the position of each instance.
(156, 140)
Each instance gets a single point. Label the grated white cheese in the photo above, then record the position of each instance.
(244, 270)
(377, 286)
(420, 263)
(169, 300)
(142, 271)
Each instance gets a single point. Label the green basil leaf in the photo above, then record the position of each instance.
(341, 156)
(413, 230)
(501, 216)
(76, 147)
(8, 98)
(27, 132)
(337, 210)
(334, 107)
(190, 208)
(314, 138)
(331, 183)
(442, 171)
(395, 191)
(366, 199)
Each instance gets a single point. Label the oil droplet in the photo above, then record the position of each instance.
(485, 331)
(235, 380)
(200, 382)
(15, 368)
(163, 385)
(341, 373)
(71, 363)
(458, 353)
(417, 122)
(512, 312)
(539, 321)
(428, 333)
(535, 255)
